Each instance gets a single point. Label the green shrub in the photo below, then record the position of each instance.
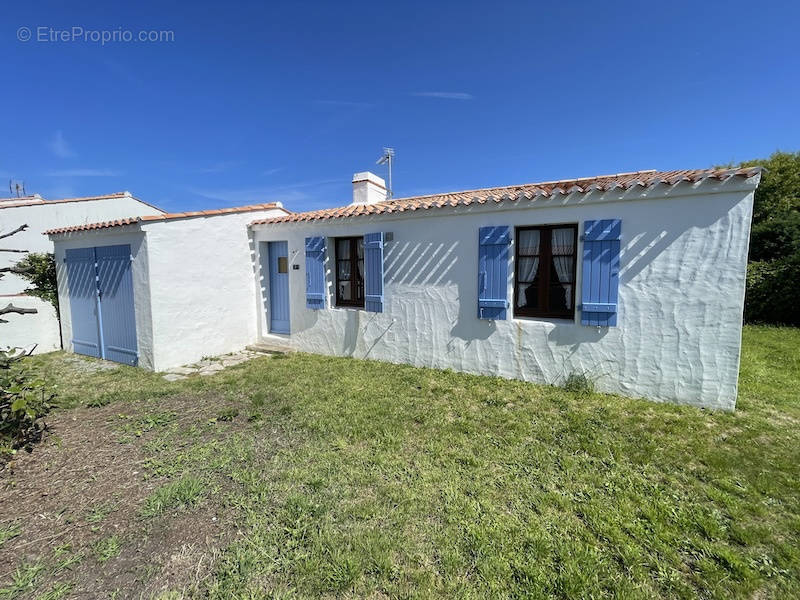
(773, 291)
(24, 401)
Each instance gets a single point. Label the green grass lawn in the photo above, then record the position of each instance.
(311, 476)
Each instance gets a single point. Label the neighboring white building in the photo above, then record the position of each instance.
(41, 329)
(634, 280)
(173, 288)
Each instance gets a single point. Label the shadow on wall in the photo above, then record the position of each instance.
(436, 264)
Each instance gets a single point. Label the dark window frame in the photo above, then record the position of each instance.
(358, 302)
(545, 258)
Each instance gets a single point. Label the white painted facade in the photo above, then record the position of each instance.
(681, 293)
(42, 329)
(193, 280)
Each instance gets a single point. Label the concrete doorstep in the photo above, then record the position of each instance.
(209, 366)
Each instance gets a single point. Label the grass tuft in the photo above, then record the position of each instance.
(23, 579)
(184, 492)
(107, 548)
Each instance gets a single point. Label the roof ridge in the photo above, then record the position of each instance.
(519, 185)
(529, 191)
(168, 217)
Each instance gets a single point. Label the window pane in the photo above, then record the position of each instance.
(527, 295)
(528, 241)
(528, 269)
(360, 243)
(560, 298)
(561, 269)
(342, 249)
(343, 269)
(345, 290)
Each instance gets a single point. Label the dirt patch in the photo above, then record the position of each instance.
(75, 504)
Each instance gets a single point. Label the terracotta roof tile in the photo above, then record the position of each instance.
(516, 193)
(165, 217)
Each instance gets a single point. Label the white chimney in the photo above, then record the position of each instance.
(368, 188)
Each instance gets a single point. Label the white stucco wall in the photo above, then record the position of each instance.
(202, 286)
(683, 264)
(42, 328)
(26, 331)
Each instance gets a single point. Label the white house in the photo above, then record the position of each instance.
(159, 291)
(635, 280)
(41, 329)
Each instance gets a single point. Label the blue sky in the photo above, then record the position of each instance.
(253, 102)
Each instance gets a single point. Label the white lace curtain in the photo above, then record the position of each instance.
(528, 244)
(528, 265)
(563, 250)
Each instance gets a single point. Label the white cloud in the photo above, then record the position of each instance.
(84, 173)
(58, 145)
(445, 95)
(272, 171)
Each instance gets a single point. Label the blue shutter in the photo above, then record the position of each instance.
(373, 272)
(315, 272)
(600, 285)
(493, 272)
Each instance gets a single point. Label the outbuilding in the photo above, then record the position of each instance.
(634, 281)
(40, 331)
(159, 291)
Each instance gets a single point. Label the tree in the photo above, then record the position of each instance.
(39, 269)
(17, 270)
(773, 274)
(779, 191)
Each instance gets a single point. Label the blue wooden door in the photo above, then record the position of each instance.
(117, 316)
(83, 300)
(278, 287)
(101, 302)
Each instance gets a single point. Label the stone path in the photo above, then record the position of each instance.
(210, 366)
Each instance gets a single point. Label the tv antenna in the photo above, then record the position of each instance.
(16, 187)
(387, 159)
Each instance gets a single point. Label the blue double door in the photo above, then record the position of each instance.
(278, 269)
(101, 302)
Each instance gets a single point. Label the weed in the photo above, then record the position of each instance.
(64, 558)
(579, 384)
(138, 427)
(57, 592)
(100, 512)
(9, 532)
(228, 414)
(100, 401)
(107, 548)
(23, 579)
(184, 492)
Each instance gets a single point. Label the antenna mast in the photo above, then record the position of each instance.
(387, 159)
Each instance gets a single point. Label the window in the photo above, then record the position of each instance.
(350, 271)
(544, 282)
